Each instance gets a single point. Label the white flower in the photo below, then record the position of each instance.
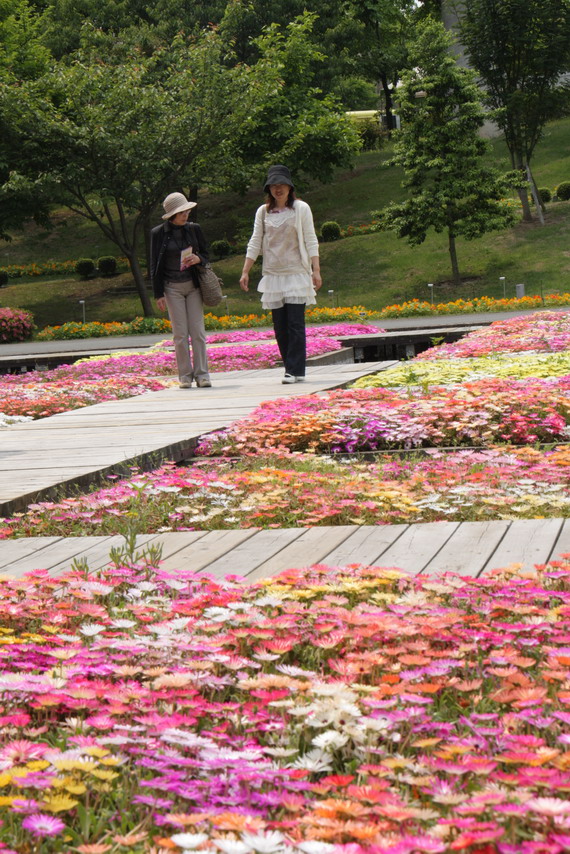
(217, 615)
(314, 760)
(97, 587)
(330, 740)
(266, 843)
(174, 584)
(124, 624)
(313, 846)
(189, 841)
(280, 751)
(92, 629)
(548, 806)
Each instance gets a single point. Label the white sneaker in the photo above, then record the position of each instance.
(288, 378)
(185, 384)
(299, 379)
(203, 383)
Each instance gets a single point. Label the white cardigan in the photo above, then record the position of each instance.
(308, 242)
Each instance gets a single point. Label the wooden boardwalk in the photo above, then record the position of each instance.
(76, 447)
(43, 458)
(469, 548)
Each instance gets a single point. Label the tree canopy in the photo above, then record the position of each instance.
(520, 49)
(440, 151)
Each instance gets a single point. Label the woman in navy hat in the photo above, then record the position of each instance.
(284, 233)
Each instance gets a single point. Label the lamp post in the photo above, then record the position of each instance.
(430, 286)
(331, 295)
(82, 304)
(502, 279)
(225, 299)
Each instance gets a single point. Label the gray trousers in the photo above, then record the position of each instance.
(186, 312)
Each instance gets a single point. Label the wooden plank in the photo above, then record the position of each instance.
(312, 546)
(257, 550)
(468, 549)
(15, 550)
(562, 544)
(418, 545)
(527, 541)
(366, 545)
(216, 546)
(53, 556)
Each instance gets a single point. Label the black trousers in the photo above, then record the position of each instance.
(289, 326)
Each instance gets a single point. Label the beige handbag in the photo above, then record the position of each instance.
(210, 285)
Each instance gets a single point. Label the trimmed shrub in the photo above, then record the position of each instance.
(221, 248)
(372, 135)
(107, 265)
(3, 278)
(330, 231)
(544, 194)
(15, 325)
(563, 191)
(85, 267)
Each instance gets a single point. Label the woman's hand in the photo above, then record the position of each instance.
(317, 281)
(244, 282)
(161, 304)
(190, 260)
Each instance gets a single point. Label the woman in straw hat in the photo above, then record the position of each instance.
(176, 247)
(284, 233)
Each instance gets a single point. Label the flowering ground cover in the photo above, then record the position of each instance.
(478, 413)
(326, 710)
(458, 370)
(301, 490)
(544, 331)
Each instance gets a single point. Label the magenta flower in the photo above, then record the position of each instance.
(40, 824)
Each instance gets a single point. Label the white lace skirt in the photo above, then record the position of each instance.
(296, 288)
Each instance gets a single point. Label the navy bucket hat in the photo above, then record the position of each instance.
(277, 175)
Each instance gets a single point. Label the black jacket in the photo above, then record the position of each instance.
(159, 237)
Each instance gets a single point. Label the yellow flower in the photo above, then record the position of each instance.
(59, 803)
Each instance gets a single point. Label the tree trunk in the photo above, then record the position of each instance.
(523, 192)
(523, 196)
(389, 103)
(140, 284)
(455, 277)
(147, 225)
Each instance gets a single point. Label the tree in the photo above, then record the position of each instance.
(519, 48)
(22, 56)
(110, 141)
(440, 151)
(299, 125)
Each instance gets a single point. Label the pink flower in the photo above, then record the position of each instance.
(41, 824)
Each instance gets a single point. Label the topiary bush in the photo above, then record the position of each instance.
(85, 267)
(330, 231)
(15, 325)
(107, 265)
(3, 278)
(220, 248)
(563, 191)
(544, 194)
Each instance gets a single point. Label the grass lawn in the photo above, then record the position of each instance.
(374, 270)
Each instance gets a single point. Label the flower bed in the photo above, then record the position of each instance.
(39, 400)
(483, 412)
(15, 325)
(458, 370)
(298, 491)
(545, 331)
(155, 711)
(468, 306)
